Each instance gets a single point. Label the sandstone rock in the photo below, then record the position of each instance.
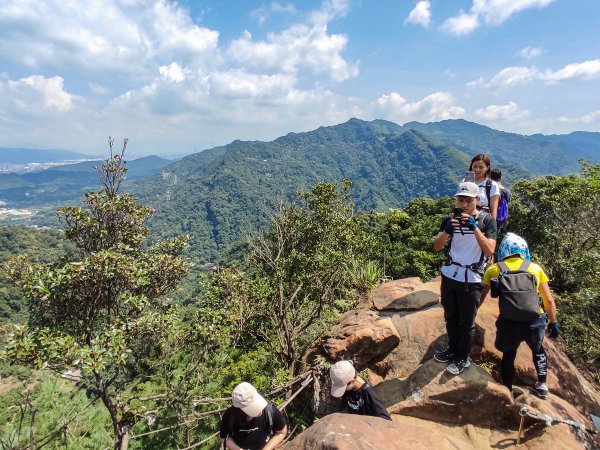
(563, 377)
(430, 392)
(405, 294)
(362, 336)
(352, 432)
(421, 334)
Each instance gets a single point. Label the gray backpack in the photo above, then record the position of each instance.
(517, 292)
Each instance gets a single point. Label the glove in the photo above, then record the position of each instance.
(553, 330)
(449, 229)
(471, 224)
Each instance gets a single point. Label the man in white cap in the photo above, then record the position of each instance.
(472, 236)
(251, 423)
(359, 396)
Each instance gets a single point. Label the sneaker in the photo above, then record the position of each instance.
(541, 390)
(443, 357)
(459, 366)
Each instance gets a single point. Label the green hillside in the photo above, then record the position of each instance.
(537, 155)
(217, 197)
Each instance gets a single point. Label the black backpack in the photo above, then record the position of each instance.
(517, 292)
(269, 408)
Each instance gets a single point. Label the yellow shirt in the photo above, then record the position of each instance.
(514, 263)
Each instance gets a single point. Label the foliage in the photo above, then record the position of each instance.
(404, 237)
(105, 312)
(579, 319)
(559, 217)
(41, 246)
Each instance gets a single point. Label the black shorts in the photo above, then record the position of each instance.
(510, 334)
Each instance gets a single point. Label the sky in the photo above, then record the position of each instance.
(177, 77)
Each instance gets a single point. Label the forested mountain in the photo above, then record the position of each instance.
(538, 154)
(582, 144)
(216, 197)
(66, 182)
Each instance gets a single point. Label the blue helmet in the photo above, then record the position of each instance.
(513, 245)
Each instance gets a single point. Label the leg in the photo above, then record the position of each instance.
(535, 342)
(507, 368)
(467, 310)
(449, 303)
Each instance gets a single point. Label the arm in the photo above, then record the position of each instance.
(277, 439)
(487, 245)
(443, 236)
(484, 293)
(230, 444)
(440, 241)
(548, 299)
(494, 205)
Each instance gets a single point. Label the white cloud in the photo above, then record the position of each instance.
(264, 13)
(591, 118)
(30, 93)
(437, 106)
(101, 35)
(512, 76)
(530, 52)
(507, 112)
(462, 24)
(585, 70)
(489, 12)
(517, 75)
(421, 14)
(172, 72)
(300, 46)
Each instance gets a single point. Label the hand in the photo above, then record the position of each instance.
(471, 223)
(553, 330)
(449, 229)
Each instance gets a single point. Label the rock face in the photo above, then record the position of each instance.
(362, 336)
(351, 432)
(405, 295)
(430, 407)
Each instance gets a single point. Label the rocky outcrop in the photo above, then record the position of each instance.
(350, 432)
(362, 336)
(430, 407)
(407, 294)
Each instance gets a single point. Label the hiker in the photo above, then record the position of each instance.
(251, 423)
(359, 396)
(521, 318)
(489, 193)
(505, 195)
(472, 235)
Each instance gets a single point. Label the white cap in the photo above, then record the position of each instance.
(246, 397)
(467, 189)
(341, 373)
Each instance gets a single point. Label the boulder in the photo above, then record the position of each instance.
(405, 295)
(421, 334)
(564, 379)
(352, 432)
(432, 393)
(362, 336)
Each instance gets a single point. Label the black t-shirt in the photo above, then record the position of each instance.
(252, 435)
(364, 401)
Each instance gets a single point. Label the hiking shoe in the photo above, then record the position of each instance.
(459, 366)
(541, 390)
(444, 357)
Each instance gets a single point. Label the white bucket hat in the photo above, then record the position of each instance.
(246, 397)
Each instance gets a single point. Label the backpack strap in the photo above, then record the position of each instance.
(488, 191)
(503, 267)
(524, 266)
(270, 418)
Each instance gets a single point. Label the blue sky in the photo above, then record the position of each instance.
(179, 77)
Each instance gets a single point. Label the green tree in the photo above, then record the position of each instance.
(301, 264)
(560, 219)
(104, 312)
